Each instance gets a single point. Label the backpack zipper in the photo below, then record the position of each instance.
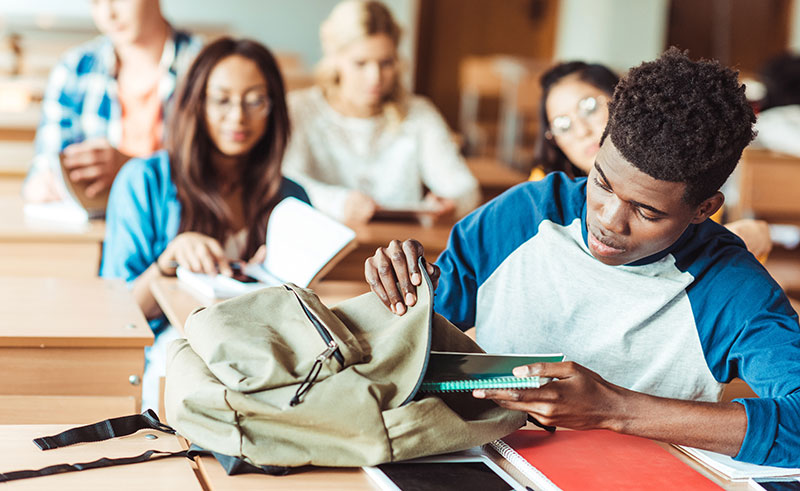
(321, 329)
(331, 350)
(305, 386)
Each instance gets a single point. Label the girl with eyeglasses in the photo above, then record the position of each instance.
(572, 117)
(359, 140)
(203, 202)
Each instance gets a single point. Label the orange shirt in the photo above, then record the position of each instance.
(142, 122)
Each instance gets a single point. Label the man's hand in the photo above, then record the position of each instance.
(580, 399)
(94, 161)
(397, 264)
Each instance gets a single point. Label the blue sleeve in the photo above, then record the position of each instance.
(749, 330)
(480, 242)
(131, 244)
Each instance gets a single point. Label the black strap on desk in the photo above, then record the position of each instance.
(104, 430)
(128, 425)
(104, 462)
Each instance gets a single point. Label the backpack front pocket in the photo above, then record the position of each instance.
(270, 338)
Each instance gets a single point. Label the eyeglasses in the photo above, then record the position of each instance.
(588, 109)
(251, 105)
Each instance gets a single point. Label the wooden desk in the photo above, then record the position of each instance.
(215, 479)
(784, 266)
(71, 337)
(20, 125)
(167, 474)
(345, 479)
(178, 302)
(30, 248)
(376, 234)
(75, 410)
(15, 158)
(768, 186)
(494, 176)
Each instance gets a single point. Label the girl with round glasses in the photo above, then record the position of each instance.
(572, 117)
(203, 202)
(359, 140)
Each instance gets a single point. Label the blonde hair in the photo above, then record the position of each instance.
(350, 21)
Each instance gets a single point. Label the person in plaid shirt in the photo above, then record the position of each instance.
(106, 99)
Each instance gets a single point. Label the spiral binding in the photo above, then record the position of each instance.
(509, 382)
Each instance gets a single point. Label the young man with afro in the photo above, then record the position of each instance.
(655, 306)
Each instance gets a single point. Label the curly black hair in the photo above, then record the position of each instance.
(680, 120)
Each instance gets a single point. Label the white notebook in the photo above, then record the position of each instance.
(302, 245)
(733, 469)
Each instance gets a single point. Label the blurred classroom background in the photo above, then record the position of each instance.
(479, 61)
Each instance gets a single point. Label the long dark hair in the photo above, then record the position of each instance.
(547, 155)
(190, 148)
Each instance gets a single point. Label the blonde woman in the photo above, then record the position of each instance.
(359, 141)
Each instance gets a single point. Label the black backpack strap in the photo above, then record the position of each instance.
(104, 462)
(123, 426)
(104, 430)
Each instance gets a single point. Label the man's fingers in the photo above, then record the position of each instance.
(413, 251)
(95, 188)
(374, 281)
(560, 370)
(82, 159)
(541, 394)
(398, 259)
(86, 173)
(388, 279)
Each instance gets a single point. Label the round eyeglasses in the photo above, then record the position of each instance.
(251, 105)
(588, 109)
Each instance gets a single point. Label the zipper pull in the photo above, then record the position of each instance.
(332, 347)
(314, 373)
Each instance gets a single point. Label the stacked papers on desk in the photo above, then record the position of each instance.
(733, 469)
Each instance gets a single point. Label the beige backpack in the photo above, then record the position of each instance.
(276, 378)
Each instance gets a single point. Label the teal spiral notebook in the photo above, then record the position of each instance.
(457, 372)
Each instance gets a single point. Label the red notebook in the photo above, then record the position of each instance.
(597, 460)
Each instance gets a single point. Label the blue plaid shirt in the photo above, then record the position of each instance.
(81, 102)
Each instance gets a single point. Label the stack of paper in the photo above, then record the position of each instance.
(733, 469)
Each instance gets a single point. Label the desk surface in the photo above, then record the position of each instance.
(379, 233)
(15, 227)
(178, 302)
(52, 312)
(19, 452)
(16, 158)
(354, 478)
(376, 234)
(316, 478)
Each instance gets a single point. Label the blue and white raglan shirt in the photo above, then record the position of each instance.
(678, 324)
(81, 102)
